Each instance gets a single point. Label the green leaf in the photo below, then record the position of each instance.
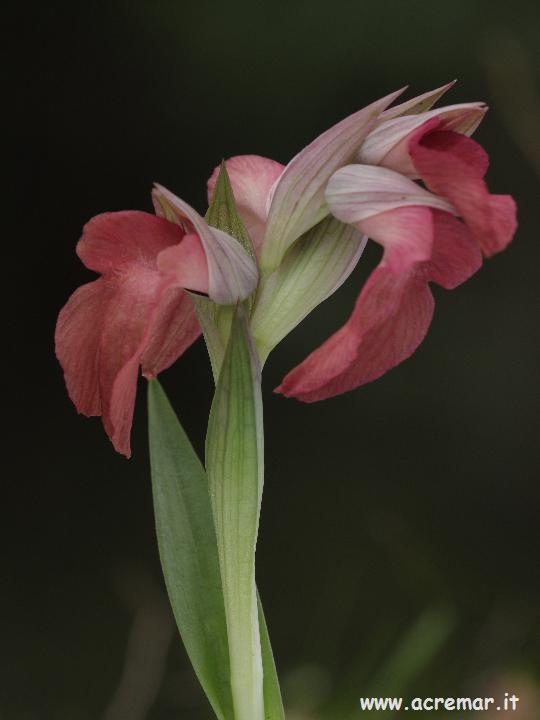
(234, 464)
(188, 550)
(273, 704)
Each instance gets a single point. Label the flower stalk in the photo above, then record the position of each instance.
(234, 464)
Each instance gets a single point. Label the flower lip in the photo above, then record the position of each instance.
(132, 316)
(453, 165)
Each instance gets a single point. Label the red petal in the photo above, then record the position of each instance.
(148, 322)
(393, 311)
(107, 329)
(77, 335)
(119, 405)
(174, 329)
(453, 166)
(456, 256)
(390, 320)
(126, 329)
(503, 212)
(462, 148)
(130, 316)
(112, 240)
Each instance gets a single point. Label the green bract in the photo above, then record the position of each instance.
(216, 319)
(313, 269)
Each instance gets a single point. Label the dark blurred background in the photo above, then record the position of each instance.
(399, 538)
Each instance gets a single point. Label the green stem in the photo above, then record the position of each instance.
(234, 457)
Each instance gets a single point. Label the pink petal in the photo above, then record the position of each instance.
(120, 404)
(186, 263)
(77, 335)
(252, 178)
(405, 233)
(503, 213)
(394, 309)
(232, 273)
(390, 320)
(132, 315)
(161, 326)
(125, 329)
(298, 199)
(174, 329)
(453, 166)
(111, 240)
(110, 326)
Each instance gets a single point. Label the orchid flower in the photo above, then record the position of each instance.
(138, 313)
(436, 234)
(284, 209)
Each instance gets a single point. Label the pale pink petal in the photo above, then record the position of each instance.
(111, 240)
(186, 264)
(77, 335)
(356, 192)
(390, 320)
(388, 143)
(252, 178)
(232, 272)
(418, 104)
(298, 197)
(452, 165)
